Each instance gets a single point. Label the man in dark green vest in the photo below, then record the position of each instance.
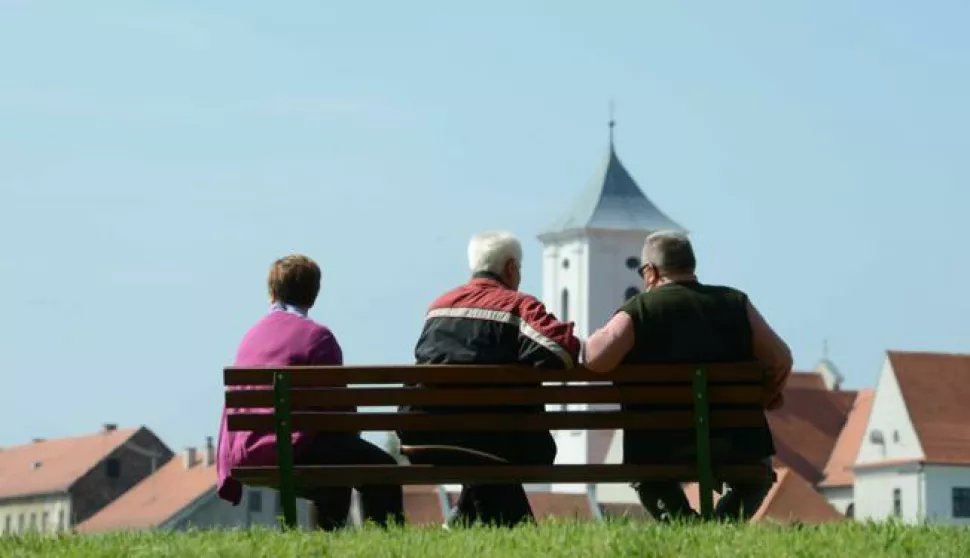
(678, 319)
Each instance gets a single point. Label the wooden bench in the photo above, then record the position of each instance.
(685, 393)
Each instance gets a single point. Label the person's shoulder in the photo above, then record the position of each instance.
(726, 290)
(450, 297)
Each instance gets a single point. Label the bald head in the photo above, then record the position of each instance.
(670, 253)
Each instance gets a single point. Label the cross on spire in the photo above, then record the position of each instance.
(612, 122)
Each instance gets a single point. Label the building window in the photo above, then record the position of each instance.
(632, 263)
(565, 305)
(630, 293)
(33, 521)
(961, 502)
(112, 468)
(255, 501)
(44, 517)
(60, 520)
(20, 523)
(850, 510)
(565, 263)
(7, 524)
(897, 502)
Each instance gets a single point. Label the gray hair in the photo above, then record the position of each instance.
(670, 252)
(492, 250)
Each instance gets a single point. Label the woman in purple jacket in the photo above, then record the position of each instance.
(287, 336)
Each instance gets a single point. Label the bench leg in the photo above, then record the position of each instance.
(705, 469)
(284, 448)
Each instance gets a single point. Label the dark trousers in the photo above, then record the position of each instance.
(504, 505)
(666, 501)
(382, 504)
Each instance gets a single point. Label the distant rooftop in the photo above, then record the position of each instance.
(612, 201)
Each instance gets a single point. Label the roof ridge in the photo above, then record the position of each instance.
(902, 352)
(36, 440)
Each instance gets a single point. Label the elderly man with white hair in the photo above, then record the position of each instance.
(681, 320)
(488, 321)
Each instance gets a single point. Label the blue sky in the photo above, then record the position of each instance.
(155, 157)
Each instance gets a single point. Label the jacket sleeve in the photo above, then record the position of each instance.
(544, 341)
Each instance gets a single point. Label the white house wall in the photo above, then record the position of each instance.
(616, 493)
(874, 490)
(939, 484)
(889, 416)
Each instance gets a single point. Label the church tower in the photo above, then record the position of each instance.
(589, 260)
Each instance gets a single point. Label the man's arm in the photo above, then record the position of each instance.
(773, 353)
(606, 348)
(544, 341)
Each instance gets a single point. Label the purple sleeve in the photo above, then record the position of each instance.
(326, 350)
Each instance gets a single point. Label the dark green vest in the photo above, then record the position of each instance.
(689, 322)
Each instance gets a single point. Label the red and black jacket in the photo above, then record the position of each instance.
(486, 322)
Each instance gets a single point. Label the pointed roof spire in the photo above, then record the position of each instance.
(612, 201)
(612, 123)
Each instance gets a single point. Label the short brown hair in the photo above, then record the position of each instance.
(294, 280)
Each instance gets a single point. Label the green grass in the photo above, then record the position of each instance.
(551, 539)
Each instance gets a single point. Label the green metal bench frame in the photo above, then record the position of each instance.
(285, 475)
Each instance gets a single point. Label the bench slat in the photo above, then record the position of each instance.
(319, 376)
(588, 420)
(308, 399)
(313, 476)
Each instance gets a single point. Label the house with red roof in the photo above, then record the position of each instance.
(806, 431)
(182, 495)
(838, 477)
(913, 462)
(50, 485)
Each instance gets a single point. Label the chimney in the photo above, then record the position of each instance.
(109, 427)
(210, 452)
(38, 440)
(189, 457)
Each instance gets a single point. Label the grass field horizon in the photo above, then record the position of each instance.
(559, 538)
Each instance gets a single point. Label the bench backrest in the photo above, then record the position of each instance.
(672, 395)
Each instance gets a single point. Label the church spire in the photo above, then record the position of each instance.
(611, 201)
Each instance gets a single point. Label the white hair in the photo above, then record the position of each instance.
(492, 250)
(669, 251)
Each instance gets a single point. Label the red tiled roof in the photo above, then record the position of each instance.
(806, 380)
(49, 466)
(936, 388)
(422, 506)
(807, 427)
(560, 505)
(790, 499)
(839, 469)
(156, 499)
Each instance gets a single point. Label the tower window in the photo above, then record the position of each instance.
(564, 305)
(565, 263)
(632, 263)
(630, 293)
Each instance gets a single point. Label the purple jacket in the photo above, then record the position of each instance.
(280, 338)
